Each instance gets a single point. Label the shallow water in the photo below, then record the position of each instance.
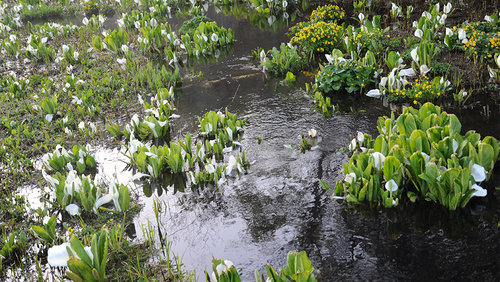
(279, 205)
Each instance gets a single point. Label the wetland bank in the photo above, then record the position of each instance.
(125, 81)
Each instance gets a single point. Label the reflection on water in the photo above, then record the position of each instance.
(279, 205)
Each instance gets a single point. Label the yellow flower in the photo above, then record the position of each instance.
(415, 102)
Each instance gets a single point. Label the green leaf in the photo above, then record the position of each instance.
(73, 276)
(392, 169)
(412, 196)
(324, 184)
(485, 155)
(81, 269)
(494, 144)
(141, 161)
(455, 126)
(410, 124)
(419, 142)
(42, 233)
(77, 246)
(124, 197)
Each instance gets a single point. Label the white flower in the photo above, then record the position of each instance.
(58, 255)
(68, 131)
(232, 163)
(462, 34)
(209, 168)
(49, 178)
(361, 137)
(449, 32)
(135, 117)
(92, 127)
(378, 159)
(312, 132)
(361, 17)
(152, 126)
(85, 21)
(478, 172)
(480, 191)
(424, 69)
(419, 33)
(49, 117)
(73, 209)
(414, 55)
(447, 8)
(65, 48)
(442, 19)
(81, 125)
(407, 72)
(488, 18)
(427, 15)
(375, 93)
(350, 177)
(122, 61)
(352, 145)
(75, 55)
(214, 37)
(228, 263)
(124, 48)
(391, 185)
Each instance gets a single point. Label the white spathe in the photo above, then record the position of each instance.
(407, 72)
(480, 191)
(391, 185)
(419, 33)
(361, 137)
(73, 209)
(374, 93)
(350, 177)
(58, 255)
(312, 132)
(478, 172)
(352, 145)
(378, 159)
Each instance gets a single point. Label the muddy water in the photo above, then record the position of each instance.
(279, 206)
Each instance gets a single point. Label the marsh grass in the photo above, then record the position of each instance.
(44, 102)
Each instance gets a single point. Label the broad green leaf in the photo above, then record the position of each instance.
(362, 193)
(42, 233)
(455, 126)
(80, 268)
(124, 197)
(410, 124)
(77, 246)
(428, 109)
(485, 155)
(419, 142)
(391, 169)
(494, 144)
(141, 161)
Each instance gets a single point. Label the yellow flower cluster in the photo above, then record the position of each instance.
(319, 36)
(328, 13)
(483, 40)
